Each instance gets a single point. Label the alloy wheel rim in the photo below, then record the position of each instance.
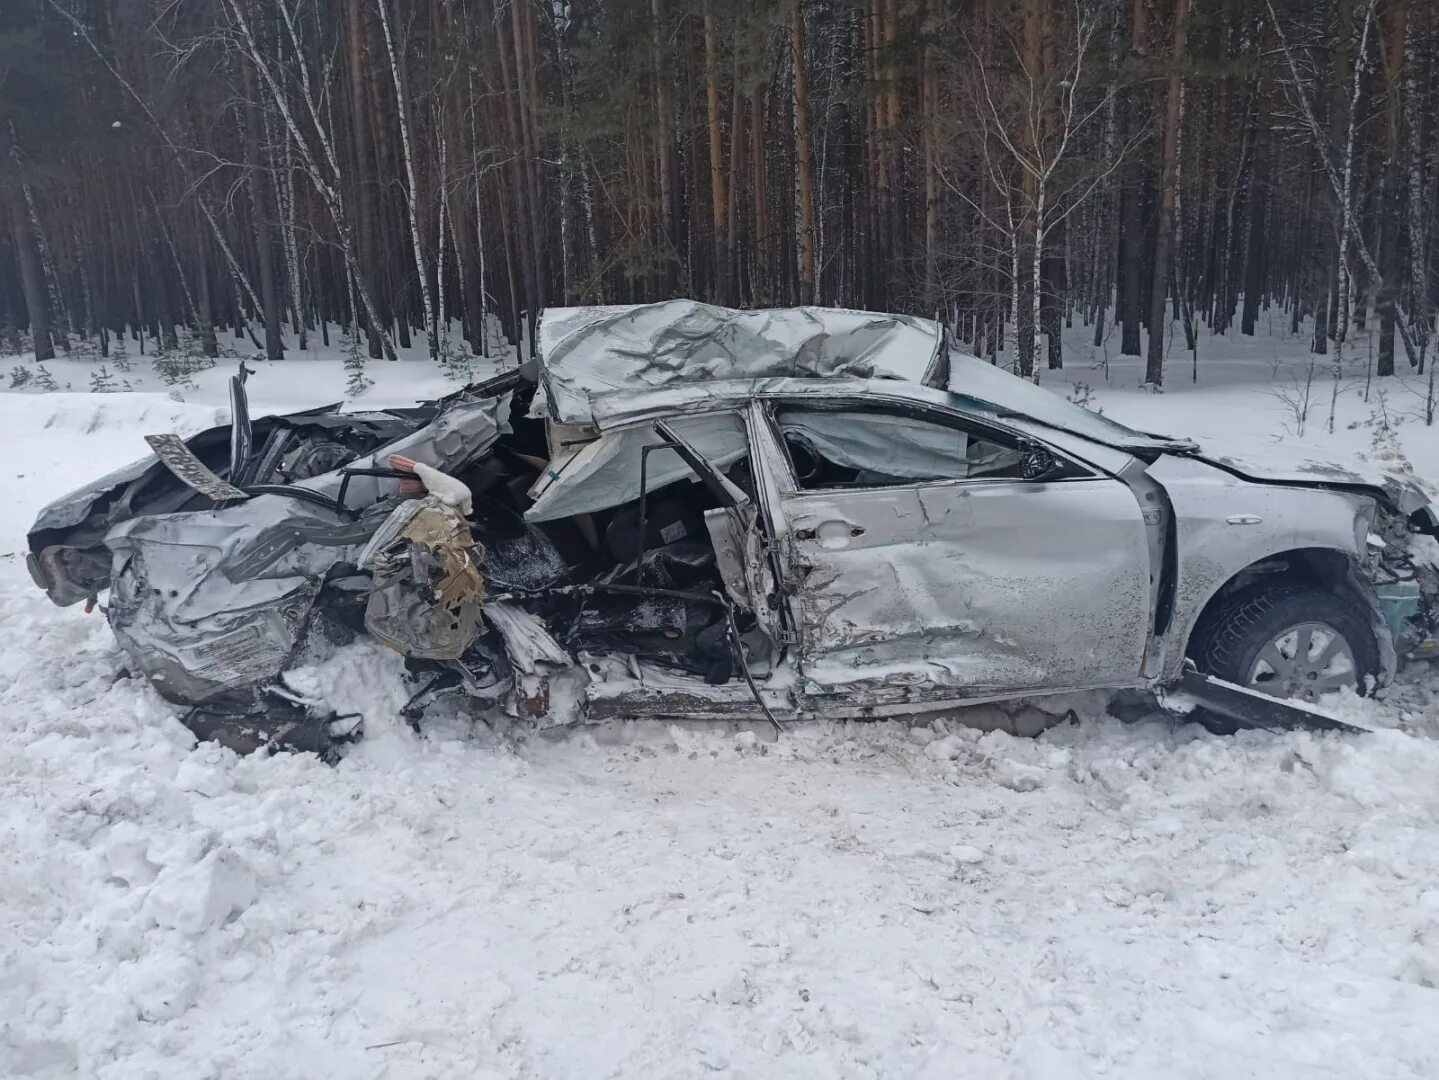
(1305, 660)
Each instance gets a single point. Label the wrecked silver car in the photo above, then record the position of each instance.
(690, 511)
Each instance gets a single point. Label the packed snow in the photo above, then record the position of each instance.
(849, 900)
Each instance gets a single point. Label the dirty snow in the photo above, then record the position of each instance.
(1109, 900)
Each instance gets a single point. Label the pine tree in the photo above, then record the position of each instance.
(101, 381)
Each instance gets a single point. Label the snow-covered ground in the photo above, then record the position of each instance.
(1110, 900)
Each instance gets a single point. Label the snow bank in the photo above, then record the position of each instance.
(852, 900)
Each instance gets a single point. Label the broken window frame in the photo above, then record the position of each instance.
(1073, 470)
(826, 431)
(608, 451)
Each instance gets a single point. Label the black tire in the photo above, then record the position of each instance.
(1228, 640)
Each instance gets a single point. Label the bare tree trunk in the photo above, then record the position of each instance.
(718, 198)
(1154, 362)
(1419, 205)
(442, 325)
(411, 188)
(327, 178)
(1256, 243)
(527, 100)
(363, 186)
(1132, 241)
(929, 117)
(736, 170)
(663, 148)
(286, 189)
(804, 167)
(761, 280)
(31, 281)
(477, 183)
(1332, 172)
(1391, 47)
(60, 322)
(1341, 317)
(205, 307)
(261, 218)
(1036, 322)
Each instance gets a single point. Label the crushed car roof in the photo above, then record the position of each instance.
(1031, 405)
(588, 353)
(607, 366)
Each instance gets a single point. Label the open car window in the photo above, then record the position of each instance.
(606, 473)
(859, 448)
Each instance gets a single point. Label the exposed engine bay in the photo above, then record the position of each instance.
(439, 564)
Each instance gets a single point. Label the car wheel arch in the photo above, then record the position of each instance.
(1316, 567)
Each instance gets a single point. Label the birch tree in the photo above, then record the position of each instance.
(1338, 163)
(411, 188)
(320, 161)
(1037, 119)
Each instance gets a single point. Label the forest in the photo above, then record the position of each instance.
(266, 175)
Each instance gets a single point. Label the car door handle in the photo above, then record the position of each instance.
(831, 531)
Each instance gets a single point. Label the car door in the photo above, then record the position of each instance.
(921, 564)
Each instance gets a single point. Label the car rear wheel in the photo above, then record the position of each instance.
(1288, 642)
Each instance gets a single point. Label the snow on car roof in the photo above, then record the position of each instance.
(591, 352)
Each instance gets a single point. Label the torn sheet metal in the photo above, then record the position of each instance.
(528, 641)
(591, 352)
(427, 592)
(727, 530)
(190, 470)
(1239, 707)
(215, 602)
(642, 689)
(464, 431)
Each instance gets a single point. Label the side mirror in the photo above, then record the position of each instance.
(1036, 462)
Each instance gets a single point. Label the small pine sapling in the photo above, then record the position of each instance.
(356, 382)
(101, 381)
(120, 355)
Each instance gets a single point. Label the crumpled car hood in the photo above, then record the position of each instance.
(1291, 468)
(73, 508)
(591, 352)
